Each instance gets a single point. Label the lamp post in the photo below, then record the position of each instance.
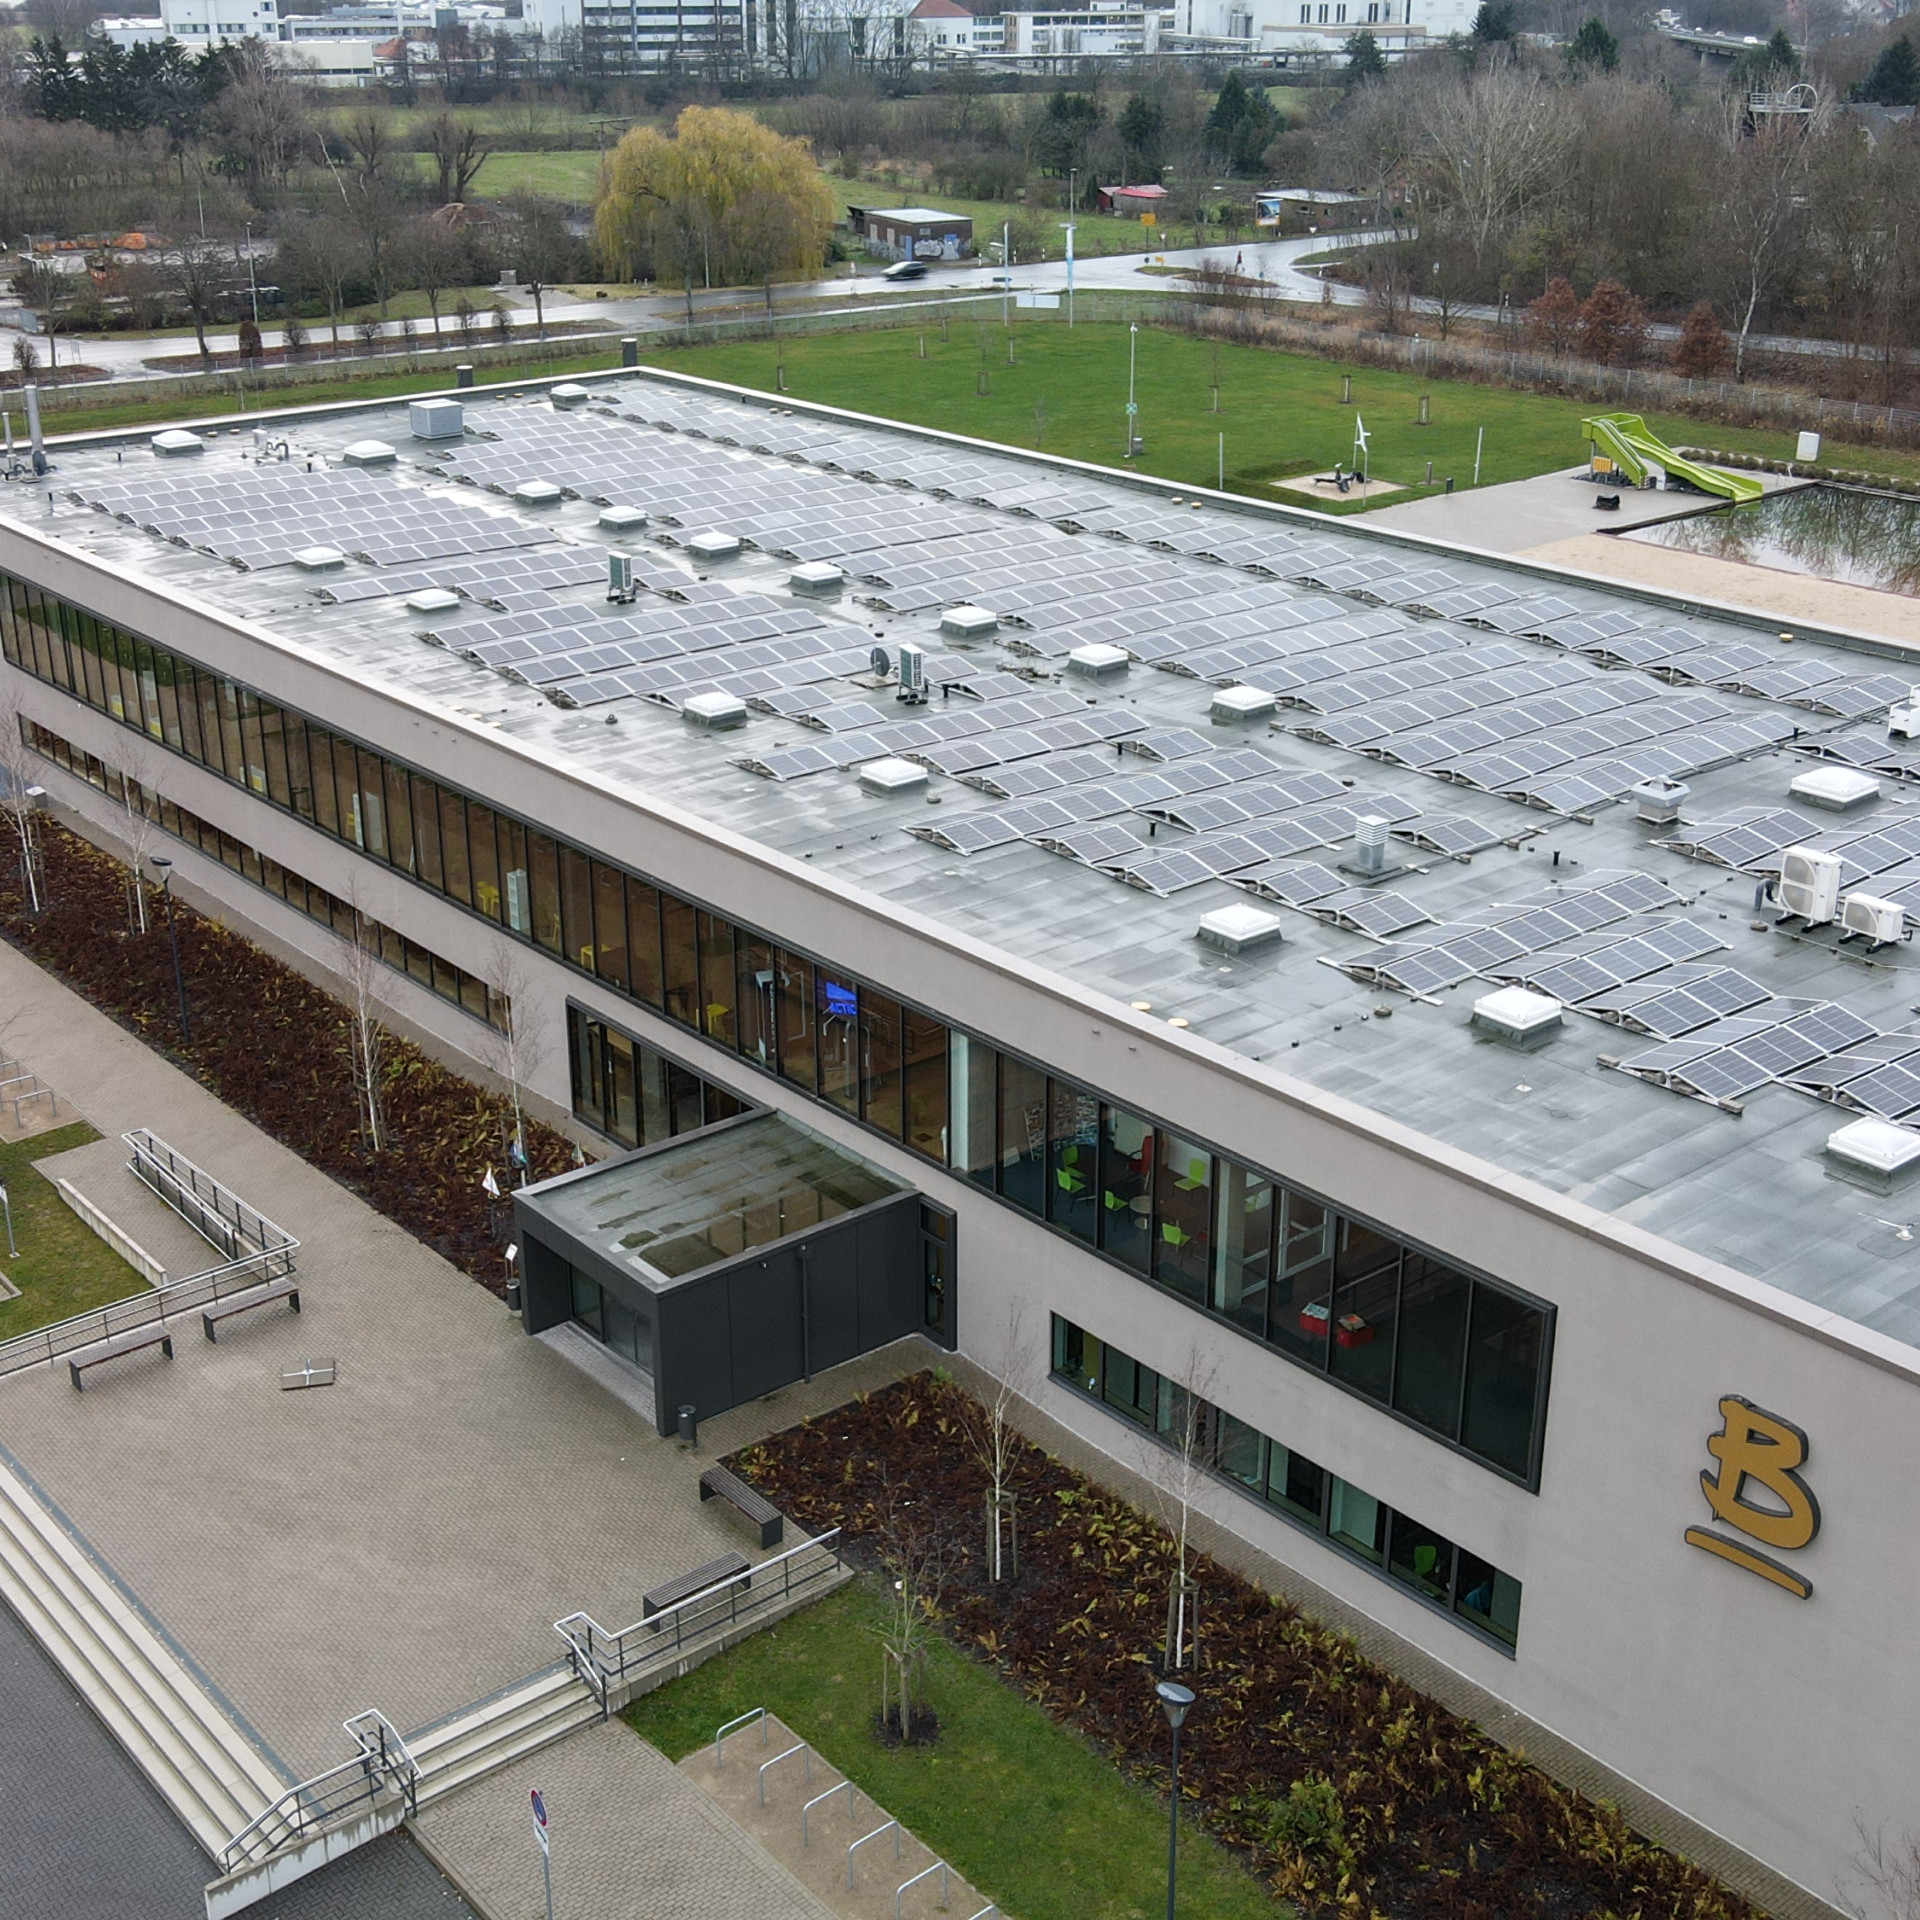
(1068, 225)
(1176, 1702)
(253, 282)
(1133, 411)
(165, 867)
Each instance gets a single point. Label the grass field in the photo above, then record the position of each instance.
(1093, 234)
(64, 1267)
(570, 174)
(1281, 413)
(1026, 1810)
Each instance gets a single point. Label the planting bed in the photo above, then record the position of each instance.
(272, 1045)
(1347, 1790)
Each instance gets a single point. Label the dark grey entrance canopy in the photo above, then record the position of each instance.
(725, 1262)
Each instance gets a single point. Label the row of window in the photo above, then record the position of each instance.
(623, 1087)
(1379, 12)
(1447, 1576)
(1464, 1359)
(439, 976)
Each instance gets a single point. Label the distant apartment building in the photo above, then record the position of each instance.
(1311, 30)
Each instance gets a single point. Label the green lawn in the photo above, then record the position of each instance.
(1281, 413)
(570, 174)
(64, 1267)
(1025, 1809)
(1093, 233)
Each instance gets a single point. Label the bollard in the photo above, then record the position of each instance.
(513, 1296)
(629, 352)
(1449, 483)
(689, 1428)
(1425, 419)
(1346, 386)
(463, 376)
(1429, 473)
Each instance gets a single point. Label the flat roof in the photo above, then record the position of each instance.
(917, 215)
(1492, 715)
(675, 1210)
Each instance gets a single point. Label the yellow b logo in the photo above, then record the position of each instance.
(1758, 1449)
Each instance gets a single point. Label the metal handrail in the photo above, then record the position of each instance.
(580, 1655)
(845, 1786)
(806, 1765)
(892, 1826)
(661, 1636)
(734, 1725)
(386, 1752)
(212, 1210)
(185, 1295)
(939, 1867)
(383, 1763)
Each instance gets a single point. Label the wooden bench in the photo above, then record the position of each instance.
(717, 1481)
(730, 1566)
(158, 1335)
(287, 1290)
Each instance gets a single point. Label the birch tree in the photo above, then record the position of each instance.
(995, 1442)
(1176, 1465)
(517, 1046)
(919, 1559)
(361, 974)
(1760, 212)
(19, 776)
(140, 829)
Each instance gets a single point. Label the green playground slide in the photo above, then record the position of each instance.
(1624, 438)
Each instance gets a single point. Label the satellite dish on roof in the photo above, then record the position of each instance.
(882, 666)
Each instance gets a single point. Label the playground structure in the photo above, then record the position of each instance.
(1621, 444)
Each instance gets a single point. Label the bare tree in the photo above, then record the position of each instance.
(995, 1442)
(19, 781)
(920, 1559)
(1890, 1870)
(540, 244)
(362, 978)
(141, 829)
(200, 269)
(1176, 1463)
(1494, 144)
(459, 150)
(517, 1046)
(1760, 211)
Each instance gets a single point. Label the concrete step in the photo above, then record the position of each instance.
(142, 1692)
(499, 1731)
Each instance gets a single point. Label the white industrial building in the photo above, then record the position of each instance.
(1285, 958)
(1314, 30)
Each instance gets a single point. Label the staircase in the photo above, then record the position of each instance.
(491, 1734)
(203, 1766)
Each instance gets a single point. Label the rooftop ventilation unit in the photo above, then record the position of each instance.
(537, 493)
(968, 623)
(1809, 885)
(369, 453)
(623, 519)
(436, 419)
(715, 711)
(319, 559)
(892, 776)
(1903, 722)
(817, 576)
(1875, 1147)
(177, 440)
(569, 393)
(1658, 801)
(913, 674)
(1369, 845)
(879, 663)
(1516, 1013)
(1099, 661)
(714, 546)
(1835, 788)
(432, 600)
(1233, 704)
(1879, 922)
(619, 578)
(1238, 929)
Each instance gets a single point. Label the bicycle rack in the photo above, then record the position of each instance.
(892, 1826)
(733, 1726)
(845, 1786)
(806, 1766)
(939, 1867)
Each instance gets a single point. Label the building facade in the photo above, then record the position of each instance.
(1559, 1381)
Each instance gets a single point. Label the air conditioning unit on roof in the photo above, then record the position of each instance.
(1809, 884)
(1903, 722)
(1881, 922)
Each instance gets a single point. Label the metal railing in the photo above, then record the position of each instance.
(379, 1772)
(608, 1660)
(257, 1252)
(879, 1833)
(216, 1213)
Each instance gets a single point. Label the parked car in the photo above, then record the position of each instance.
(906, 270)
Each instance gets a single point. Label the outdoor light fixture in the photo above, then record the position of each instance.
(164, 867)
(1176, 1702)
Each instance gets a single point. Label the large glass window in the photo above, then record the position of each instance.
(717, 983)
(923, 1042)
(1366, 1298)
(1023, 1134)
(754, 993)
(1126, 1187)
(1183, 1215)
(1357, 1521)
(680, 962)
(1243, 1246)
(838, 1005)
(610, 925)
(794, 1010)
(1506, 1362)
(880, 1087)
(1432, 1343)
(1073, 1153)
(975, 1102)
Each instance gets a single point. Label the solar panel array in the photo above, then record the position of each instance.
(267, 515)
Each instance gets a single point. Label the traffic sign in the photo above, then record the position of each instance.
(540, 1819)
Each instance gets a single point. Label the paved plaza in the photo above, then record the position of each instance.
(402, 1540)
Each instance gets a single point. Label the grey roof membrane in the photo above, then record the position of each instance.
(1494, 720)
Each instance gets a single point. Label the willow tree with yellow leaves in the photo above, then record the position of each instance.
(721, 201)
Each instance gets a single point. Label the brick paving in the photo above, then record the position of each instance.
(89, 1839)
(633, 1839)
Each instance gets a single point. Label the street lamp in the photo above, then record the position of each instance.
(1133, 411)
(165, 867)
(1176, 1702)
(253, 283)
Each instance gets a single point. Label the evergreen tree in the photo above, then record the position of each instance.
(1594, 46)
(1493, 22)
(1139, 127)
(1365, 61)
(1241, 126)
(1895, 78)
(1071, 121)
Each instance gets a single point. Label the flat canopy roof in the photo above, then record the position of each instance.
(672, 1211)
(1494, 716)
(918, 216)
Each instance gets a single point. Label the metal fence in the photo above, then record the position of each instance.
(382, 1772)
(216, 1213)
(611, 1662)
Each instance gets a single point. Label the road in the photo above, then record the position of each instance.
(125, 357)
